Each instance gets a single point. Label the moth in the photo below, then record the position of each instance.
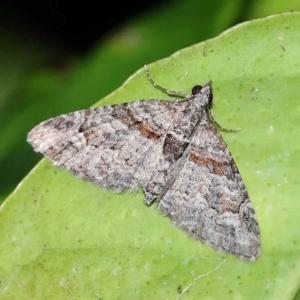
(170, 149)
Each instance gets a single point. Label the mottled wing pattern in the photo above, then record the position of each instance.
(112, 146)
(172, 151)
(205, 195)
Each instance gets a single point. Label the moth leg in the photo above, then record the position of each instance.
(212, 120)
(171, 93)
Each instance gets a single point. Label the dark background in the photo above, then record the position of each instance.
(73, 26)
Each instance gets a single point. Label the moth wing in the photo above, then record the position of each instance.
(113, 146)
(205, 195)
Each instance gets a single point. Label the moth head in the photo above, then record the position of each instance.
(206, 89)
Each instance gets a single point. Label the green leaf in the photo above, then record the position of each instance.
(63, 238)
